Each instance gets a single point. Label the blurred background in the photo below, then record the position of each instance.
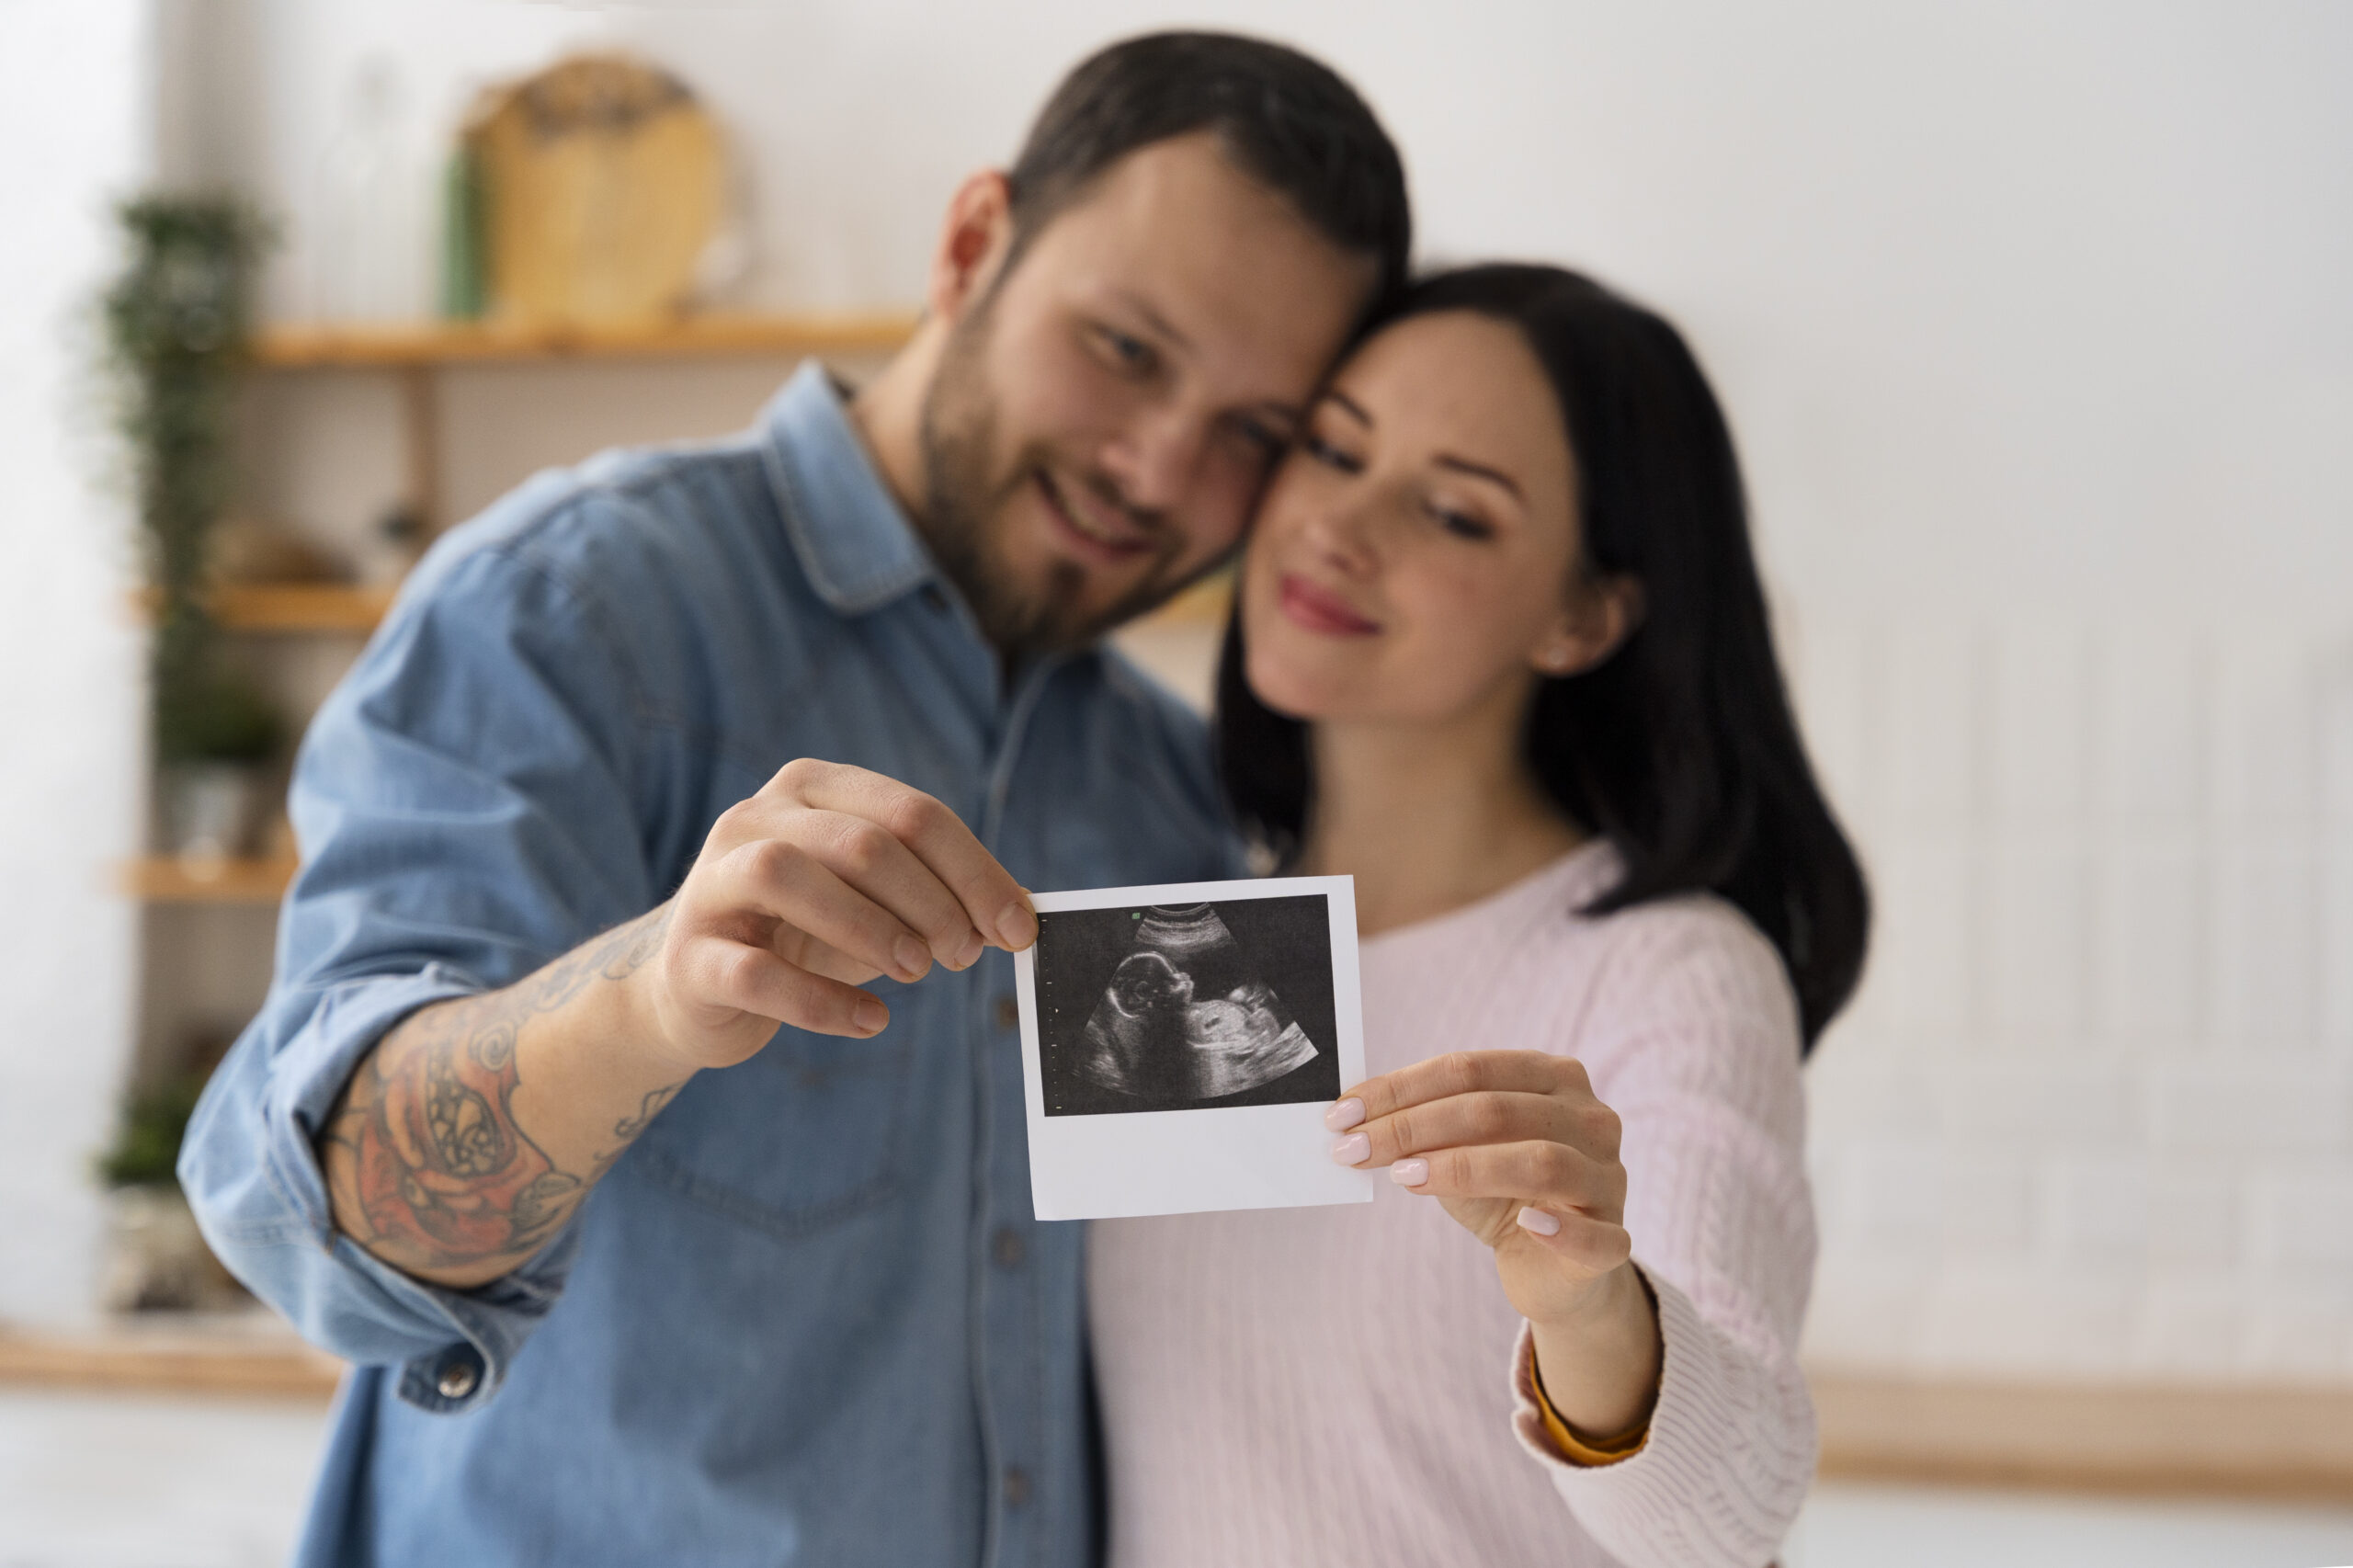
(2034, 325)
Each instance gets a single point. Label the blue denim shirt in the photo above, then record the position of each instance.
(808, 1318)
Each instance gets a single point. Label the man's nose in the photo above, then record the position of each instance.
(1155, 457)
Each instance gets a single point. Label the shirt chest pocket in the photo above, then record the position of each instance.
(811, 1131)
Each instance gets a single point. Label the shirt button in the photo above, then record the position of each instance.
(1007, 1247)
(1009, 1012)
(458, 1378)
(1017, 1486)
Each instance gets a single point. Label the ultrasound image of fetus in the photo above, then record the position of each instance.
(1185, 1019)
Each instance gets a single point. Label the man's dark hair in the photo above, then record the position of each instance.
(1288, 122)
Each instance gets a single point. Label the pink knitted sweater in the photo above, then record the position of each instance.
(1348, 1386)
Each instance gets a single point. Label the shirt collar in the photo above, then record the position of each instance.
(856, 546)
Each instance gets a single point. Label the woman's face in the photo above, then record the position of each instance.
(1413, 556)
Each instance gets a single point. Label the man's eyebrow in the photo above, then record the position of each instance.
(1152, 318)
(1479, 470)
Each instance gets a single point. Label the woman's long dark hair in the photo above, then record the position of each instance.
(1681, 748)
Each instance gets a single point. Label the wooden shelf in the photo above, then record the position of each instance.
(167, 879)
(292, 606)
(2216, 1440)
(173, 1353)
(297, 346)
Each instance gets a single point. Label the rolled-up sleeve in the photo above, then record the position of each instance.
(469, 806)
(1696, 1047)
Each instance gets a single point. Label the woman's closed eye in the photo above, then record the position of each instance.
(1330, 454)
(1461, 524)
(1126, 353)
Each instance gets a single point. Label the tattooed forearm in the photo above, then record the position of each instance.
(426, 1164)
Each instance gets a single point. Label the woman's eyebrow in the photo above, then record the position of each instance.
(1480, 470)
(1334, 394)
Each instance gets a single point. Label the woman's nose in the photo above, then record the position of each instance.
(1343, 533)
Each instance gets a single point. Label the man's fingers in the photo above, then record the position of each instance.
(869, 857)
(1552, 1175)
(722, 973)
(991, 900)
(1468, 1072)
(787, 884)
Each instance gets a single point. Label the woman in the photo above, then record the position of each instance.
(1502, 654)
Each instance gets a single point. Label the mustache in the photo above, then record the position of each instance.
(1151, 520)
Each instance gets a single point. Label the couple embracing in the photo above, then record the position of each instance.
(638, 1104)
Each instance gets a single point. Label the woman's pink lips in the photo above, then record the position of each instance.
(1313, 609)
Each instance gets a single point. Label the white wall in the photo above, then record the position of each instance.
(74, 134)
(2033, 320)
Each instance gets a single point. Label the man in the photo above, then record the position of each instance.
(805, 1314)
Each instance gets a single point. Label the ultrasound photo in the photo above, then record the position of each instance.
(1185, 1006)
(1180, 1042)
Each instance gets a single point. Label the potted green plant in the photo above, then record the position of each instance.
(214, 742)
(156, 1259)
(175, 326)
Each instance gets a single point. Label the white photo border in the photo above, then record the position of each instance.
(1182, 1162)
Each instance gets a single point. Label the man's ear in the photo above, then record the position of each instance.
(1600, 614)
(973, 240)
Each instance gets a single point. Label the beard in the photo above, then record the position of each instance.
(967, 491)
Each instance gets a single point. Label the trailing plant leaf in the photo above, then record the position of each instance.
(177, 321)
(148, 1132)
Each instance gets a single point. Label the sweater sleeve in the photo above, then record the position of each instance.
(1690, 1035)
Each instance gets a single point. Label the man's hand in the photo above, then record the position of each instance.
(827, 878)
(469, 1135)
(1518, 1150)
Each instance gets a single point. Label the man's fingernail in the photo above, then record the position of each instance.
(1017, 926)
(1541, 1222)
(913, 956)
(969, 953)
(1354, 1149)
(1344, 1114)
(1410, 1173)
(869, 1014)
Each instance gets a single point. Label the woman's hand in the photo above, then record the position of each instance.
(1517, 1148)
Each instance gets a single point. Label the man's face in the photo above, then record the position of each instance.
(1106, 413)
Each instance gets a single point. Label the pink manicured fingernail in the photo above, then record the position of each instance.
(1344, 1114)
(1354, 1149)
(913, 956)
(1541, 1222)
(869, 1014)
(1410, 1173)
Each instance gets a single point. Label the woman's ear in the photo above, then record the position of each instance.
(1602, 612)
(973, 240)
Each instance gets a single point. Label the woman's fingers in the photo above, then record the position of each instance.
(1593, 1244)
(1486, 1116)
(1535, 1171)
(1461, 1073)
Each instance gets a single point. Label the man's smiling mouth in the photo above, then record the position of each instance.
(1106, 530)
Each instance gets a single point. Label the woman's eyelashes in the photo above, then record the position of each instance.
(1330, 453)
(1461, 524)
(1126, 353)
